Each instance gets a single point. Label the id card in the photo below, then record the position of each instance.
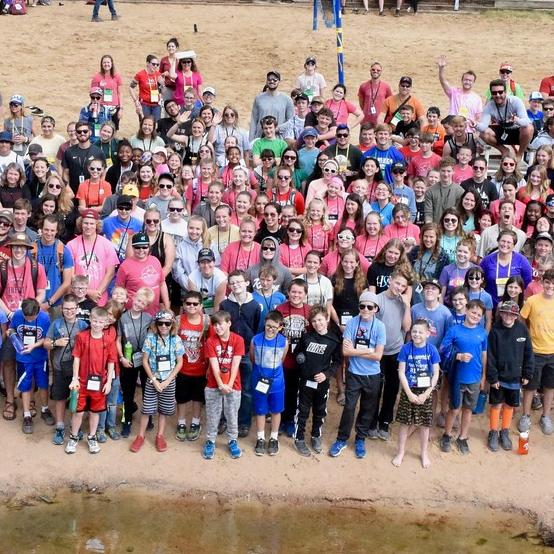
(108, 95)
(93, 383)
(423, 382)
(372, 110)
(501, 285)
(395, 120)
(311, 384)
(154, 96)
(345, 318)
(29, 337)
(504, 136)
(263, 386)
(81, 179)
(163, 363)
(137, 359)
(96, 131)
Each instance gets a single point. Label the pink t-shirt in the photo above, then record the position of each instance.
(293, 257)
(230, 197)
(461, 175)
(341, 110)
(236, 257)
(420, 166)
(518, 217)
(371, 97)
(469, 105)
(331, 262)
(134, 274)
(318, 237)
(393, 231)
(110, 87)
(316, 189)
(369, 247)
(335, 207)
(19, 284)
(181, 83)
(93, 258)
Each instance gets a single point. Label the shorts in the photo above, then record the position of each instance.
(60, 385)
(90, 400)
(503, 395)
(189, 388)
(8, 351)
(420, 415)
(470, 395)
(29, 373)
(512, 138)
(162, 403)
(270, 403)
(543, 373)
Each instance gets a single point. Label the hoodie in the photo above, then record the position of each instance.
(186, 260)
(284, 277)
(315, 352)
(245, 317)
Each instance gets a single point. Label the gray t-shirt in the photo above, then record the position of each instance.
(60, 328)
(391, 313)
(133, 330)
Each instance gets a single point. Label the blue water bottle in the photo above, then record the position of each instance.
(481, 401)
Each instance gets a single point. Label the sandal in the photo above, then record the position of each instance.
(341, 398)
(32, 409)
(9, 411)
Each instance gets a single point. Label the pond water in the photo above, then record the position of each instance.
(120, 522)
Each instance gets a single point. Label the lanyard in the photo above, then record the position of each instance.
(376, 248)
(87, 197)
(149, 145)
(122, 238)
(69, 331)
(274, 369)
(209, 291)
(321, 297)
(505, 112)
(138, 335)
(42, 257)
(370, 331)
(228, 239)
(224, 349)
(156, 349)
(427, 359)
(87, 263)
(373, 97)
(347, 152)
(498, 266)
(17, 285)
(238, 257)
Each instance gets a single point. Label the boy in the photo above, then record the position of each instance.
(363, 343)
(468, 344)
(191, 379)
(425, 160)
(224, 352)
(509, 365)
(412, 147)
(435, 128)
(403, 193)
(419, 187)
(418, 371)
(93, 370)
(245, 317)
(307, 155)
(119, 295)
(314, 354)
(405, 124)
(60, 340)
(31, 325)
(384, 152)
(268, 298)
(267, 356)
(462, 170)
(207, 209)
(79, 287)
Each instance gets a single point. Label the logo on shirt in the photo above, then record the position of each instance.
(316, 348)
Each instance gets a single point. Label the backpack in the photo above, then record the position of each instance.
(18, 7)
(59, 251)
(4, 275)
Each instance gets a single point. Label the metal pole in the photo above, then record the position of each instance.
(338, 29)
(314, 20)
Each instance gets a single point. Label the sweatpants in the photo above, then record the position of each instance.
(388, 391)
(366, 389)
(314, 400)
(217, 402)
(292, 381)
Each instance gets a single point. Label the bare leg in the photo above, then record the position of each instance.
(527, 401)
(424, 446)
(60, 411)
(466, 421)
(196, 409)
(143, 425)
(181, 411)
(525, 136)
(43, 395)
(93, 423)
(366, 5)
(9, 380)
(162, 420)
(76, 421)
(381, 5)
(275, 422)
(490, 138)
(450, 417)
(547, 401)
(26, 401)
(402, 438)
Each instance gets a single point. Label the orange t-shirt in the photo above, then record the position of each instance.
(390, 105)
(94, 194)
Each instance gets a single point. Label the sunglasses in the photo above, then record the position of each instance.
(479, 167)
(55, 187)
(450, 220)
(283, 177)
(229, 114)
(165, 186)
(192, 303)
(548, 108)
(95, 168)
(289, 157)
(508, 164)
(164, 323)
(398, 171)
(124, 208)
(187, 61)
(342, 135)
(505, 71)
(474, 277)
(155, 64)
(13, 104)
(405, 86)
(96, 97)
(497, 92)
(327, 170)
(83, 132)
(369, 307)
(294, 230)
(267, 159)
(178, 210)
(150, 221)
(141, 247)
(268, 248)
(5, 224)
(345, 237)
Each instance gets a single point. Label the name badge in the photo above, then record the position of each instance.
(424, 381)
(333, 217)
(263, 386)
(108, 95)
(311, 384)
(29, 337)
(96, 131)
(504, 136)
(48, 284)
(395, 120)
(363, 344)
(501, 285)
(163, 363)
(154, 96)
(93, 383)
(137, 359)
(81, 179)
(345, 318)
(372, 110)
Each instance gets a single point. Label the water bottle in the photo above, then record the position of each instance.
(73, 397)
(481, 401)
(17, 343)
(523, 443)
(128, 351)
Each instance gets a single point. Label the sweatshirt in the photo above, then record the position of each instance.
(315, 352)
(245, 317)
(186, 260)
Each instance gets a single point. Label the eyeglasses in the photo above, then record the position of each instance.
(178, 210)
(497, 92)
(229, 114)
(327, 170)
(369, 307)
(192, 303)
(479, 167)
(289, 157)
(294, 230)
(450, 220)
(342, 135)
(267, 159)
(163, 186)
(124, 208)
(164, 323)
(95, 168)
(283, 177)
(151, 221)
(269, 248)
(345, 237)
(83, 132)
(55, 187)
(141, 247)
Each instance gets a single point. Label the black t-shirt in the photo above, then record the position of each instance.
(353, 154)
(84, 308)
(165, 124)
(378, 275)
(75, 159)
(486, 190)
(347, 301)
(263, 233)
(402, 128)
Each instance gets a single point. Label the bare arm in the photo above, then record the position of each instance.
(441, 63)
(348, 350)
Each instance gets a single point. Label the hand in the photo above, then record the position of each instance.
(464, 357)
(157, 385)
(125, 363)
(497, 385)
(138, 110)
(44, 307)
(413, 398)
(525, 381)
(319, 377)
(63, 341)
(441, 62)
(217, 119)
(19, 139)
(182, 117)
(423, 397)
(74, 385)
(107, 388)
(94, 295)
(28, 349)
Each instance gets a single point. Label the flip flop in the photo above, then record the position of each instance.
(9, 411)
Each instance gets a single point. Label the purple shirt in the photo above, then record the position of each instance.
(451, 277)
(493, 271)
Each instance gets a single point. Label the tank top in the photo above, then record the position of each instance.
(158, 248)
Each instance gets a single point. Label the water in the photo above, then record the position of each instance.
(120, 522)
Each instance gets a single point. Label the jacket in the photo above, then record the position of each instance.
(186, 257)
(314, 353)
(245, 317)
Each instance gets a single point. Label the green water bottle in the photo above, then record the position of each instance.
(73, 397)
(128, 351)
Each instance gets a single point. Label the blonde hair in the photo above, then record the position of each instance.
(147, 293)
(324, 218)
(205, 235)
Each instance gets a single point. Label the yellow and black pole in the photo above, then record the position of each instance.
(338, 30)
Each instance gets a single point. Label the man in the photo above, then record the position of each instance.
(270, 102)
(349, 169)
(512, 88)
(6, 221)
(480, 182)
(373, 93)
(505, 122)
(384, 152)
(7, 155)
(148, 81)
(445, 194)
(75, 159)
(462, 100)
(391, 106)
(165, 123)
(95, 113)
(57, 261)
(366, 137)
(119, 228)
(291, 129)
(546, 88)
(94, 257)
(22, 211)
(460, 137)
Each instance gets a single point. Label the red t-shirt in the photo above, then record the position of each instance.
(290, 197)
(295, 324)
(148, 87)
(224, 351)
(420, 166)
(235, 257)
(93, 193)
(19, 284)
(94, 355)
(547, 86)
(192, 335)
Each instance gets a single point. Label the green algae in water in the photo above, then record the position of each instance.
(122, 522)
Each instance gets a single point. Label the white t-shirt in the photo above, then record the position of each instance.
(319, 292)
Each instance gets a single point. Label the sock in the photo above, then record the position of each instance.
(507, 414)
(26, 414)
(44, 409)
(274, 435)
(196, 421)
(90, 437)
(494, 418)
(182, 421)
(60, 425)
(261, 435)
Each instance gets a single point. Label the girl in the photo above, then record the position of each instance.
(509, 190)
(174, 165)
(402, 228)
(162, 359)
(392, 256)
(508, 168)
(13, 186)
(345, 241)
(265, 172)
(239, 183)
(474, 283)
(451, 232)
(47, 205)
(352, 217)
(295, 247)
(515, 290)
(65, 207)
(39, 173)
(175, 224)
(289, 158)
(270, 257)
(469, 207)
(261, 202)
(270, 226)
(360, 188)
(334, 200)
(538, 186)
(369, 242)
(317, 226)
(370, 172)
(146, 181)
(318, 169)
(319, 187)
(534, 210)
(320, 289)
(382, 205)
(166, 63)
(234, 161)
(93, 192)
(146, 137)
(198, 192)
(243, 253)
(342, 108)
(187, 182)
(483, 222)
(453, 275)
(243, 205)
(192, 142)
(107, 142)
(543, 158)
(109, 80)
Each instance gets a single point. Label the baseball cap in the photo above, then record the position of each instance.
(6, 215)
(318, 100)
(273, 72)
(206, 254)
(509, 307)
(130, 190)
(302, 96)
(369, 297)
(17, 99)
(125, 201)
(163, 315)
(90, 213)
(535, 95)
(406, 80)
(159, 149)
(308, 132)
(209, 90)
(433, 282)
(140, 239)
(34, 148)
(398, 167)
(6, 136)
(545, 235)
(310, 59)
(96, 90)
(507, 66)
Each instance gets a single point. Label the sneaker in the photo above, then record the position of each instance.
(101, 437)
(96, 19)
(536, 403)
(546, 425)
(302, 448)
(209, 450)
(359, 448)
(384, 433)
(222, 427)
(316, 445)
(234, 449)
(259, 449)
(59, 436)
(181, 432)
(71, 446)
(272, 447)
(492, 441)
(397, 13)
(114, 434)
(193, 433)
(115, 17)
(524, 423)
(462, 446)
(137, 444)
(382, 13)
(27, 426)
(92, 442)
(441, 420)
(125, 430)
(336, 448)
(445, 443)
(244, 430)
(505, 441)
(373, 434)
(150, 425)
(47, 417)
(161, 444)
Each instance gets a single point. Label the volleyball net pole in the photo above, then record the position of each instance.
(337, 21)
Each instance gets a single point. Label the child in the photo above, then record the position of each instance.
(268, 383)
(31, 325)
(468, 346)
(453, 275)
(425, 160)
(509, 365)
(459, 300)
(191, 379)
(435, 129)
(320, 289)
(419, 186)
(162, 358)
(418, 371)
(268, 298)
(475, 284)
(405, 124)
(119, 295)
(132, 330)
(463, 169)
(94, 361)
(79, 287)
(224, 351)
(317, 225)
(313, 355)
(60, 341)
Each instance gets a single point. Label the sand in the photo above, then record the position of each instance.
(50, 57)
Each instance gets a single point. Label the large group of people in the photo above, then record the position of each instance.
(233, 274)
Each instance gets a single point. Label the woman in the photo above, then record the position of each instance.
(166, 63)
(342, 108)
(109, 80)
(49, 141)
(534, 210)
(192, 142)
(295, 247)
(289, 158)
(225, 125)
(544, 158)
(383, 205)
(238, 184)
(265, 172)
(451, 232)
(504, 263)
(370, 241)
(146, 181)
(46, 205)
(318, 188)
(186, 76)
(243, 253)
(175, 224)
(391, 257)
(371, 173)
(93, 192)
(507, 168)
(469, 207)
(107, 142)
(123, 162)
(270, 255)
(198, 192)
(65, 207)
(401, 228)
(20, 125)
(345, 241)
(40, 171)
(146, 137)
(352, 217)
(13, 186)
(205, 153)
(310, 82)
(162, 245)
(270, 226)
(174, 165)
(243, 208)
(538, 186)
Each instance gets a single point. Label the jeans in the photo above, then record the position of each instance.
(128, 385)
(314, 400)
(388, 392)
(107, 418)
(245, 411)
(154, 111)
(97, 5)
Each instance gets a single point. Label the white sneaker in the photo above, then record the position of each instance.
(524, 423)
(71, 446)
(93, 446)
(546, 425)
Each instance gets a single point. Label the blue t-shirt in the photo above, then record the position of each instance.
(268, 360)
(365, 334)
(307, 159)
(48, 257)
(31, 332)
(407, 196)
(160, 351)
(386, 159)
(439, 320)
(470, 340)
(419, 363)
(486, 298)
(267, 304)
(3, 319)
(118, 232)
(384, 213)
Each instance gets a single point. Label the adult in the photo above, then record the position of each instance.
(175, 224)
(19, 124)
(284, 193)
(546, 88)
(118, 229)
(504, 121)
(141, 269)
(49, 141)
(7, 154)
(147, 98)
(481, 183)
(171, 108)
(271, 102)
(505, 72)
(161, 243)
(342, 108)
(172, 45)
(390, 111)
(13, 186)
(186, 76)
(72, 141)
(445, 194)
(208, 280)
(373, 93)
(146, 137)
(351, 155)
(109, 81)
(226, 124)
(310, 82)
(95, 113)
(96, 9)
(164, 194)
